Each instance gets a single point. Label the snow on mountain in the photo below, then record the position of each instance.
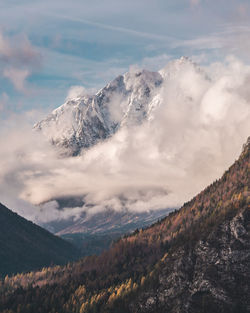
(128, 100)
(83, 121)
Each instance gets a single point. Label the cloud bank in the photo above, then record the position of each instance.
(199, 125)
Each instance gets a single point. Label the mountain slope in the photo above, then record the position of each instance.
(26, 246)
(94, 234)
(197, 259)
(207, 268)
(212, 276)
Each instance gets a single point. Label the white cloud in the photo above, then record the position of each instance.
(17, 77)
(78, 91)
(18, 50)
(196, 133)
(18, 59)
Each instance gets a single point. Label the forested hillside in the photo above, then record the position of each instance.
(25, 246)
(196, 260)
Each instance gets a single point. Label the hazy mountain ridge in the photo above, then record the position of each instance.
(194, 260)
(112, 221)
(94, 234)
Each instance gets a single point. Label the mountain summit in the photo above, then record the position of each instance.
(130, 99)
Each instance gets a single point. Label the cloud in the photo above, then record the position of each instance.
(3, 101)
(199, 123)
(73, 38)
(18, 50)
(105, 26)
(18, 59)
(155, 62)
(78, 91)
(194, 2)
(232, 39)
(17, 77)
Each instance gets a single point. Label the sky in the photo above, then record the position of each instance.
(48, 46)
(48, 49)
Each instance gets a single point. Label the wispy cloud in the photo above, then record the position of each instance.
(114, 28)
(231, 39)
(18, 50)
(17, 77)
(18, 58)
(155, 62)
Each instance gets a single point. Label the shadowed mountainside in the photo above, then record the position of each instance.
(26, 246)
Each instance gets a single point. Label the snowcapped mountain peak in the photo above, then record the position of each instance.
(176, 66)
(84, 120)
(128, 100)
(142, 79)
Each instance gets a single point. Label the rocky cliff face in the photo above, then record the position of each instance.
(213, 276)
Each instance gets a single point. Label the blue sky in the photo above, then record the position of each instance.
(48, 46)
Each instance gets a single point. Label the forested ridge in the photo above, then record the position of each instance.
(126, 277)
(26, 246)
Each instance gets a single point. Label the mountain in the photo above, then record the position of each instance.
(113, 221)
(197, 259)
(95, 233)
(26, 246)
(82, 122)
(128, 100)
